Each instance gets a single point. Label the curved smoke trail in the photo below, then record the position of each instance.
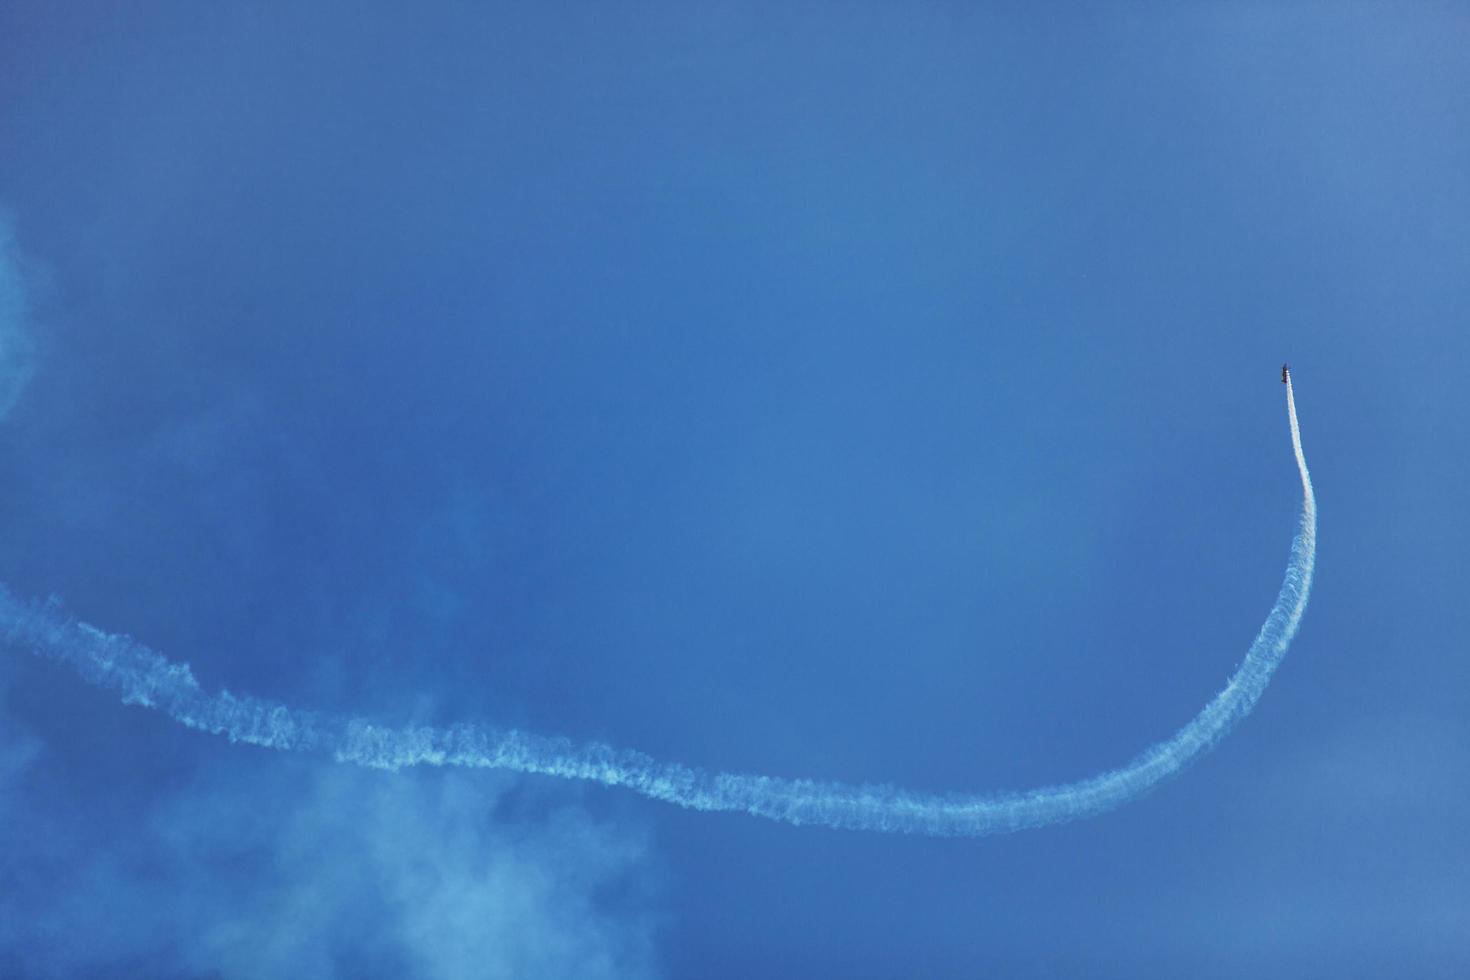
(145, 678)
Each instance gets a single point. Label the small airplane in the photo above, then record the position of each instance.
(1285, 372)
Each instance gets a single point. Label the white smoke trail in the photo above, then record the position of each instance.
(145, 678)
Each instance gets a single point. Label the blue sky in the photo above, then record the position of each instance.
(883, 393)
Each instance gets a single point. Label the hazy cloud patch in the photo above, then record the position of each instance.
(285, 867)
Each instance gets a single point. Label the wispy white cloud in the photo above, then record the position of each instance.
(281, 867)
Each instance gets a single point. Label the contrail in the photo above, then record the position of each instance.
(143, 677)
